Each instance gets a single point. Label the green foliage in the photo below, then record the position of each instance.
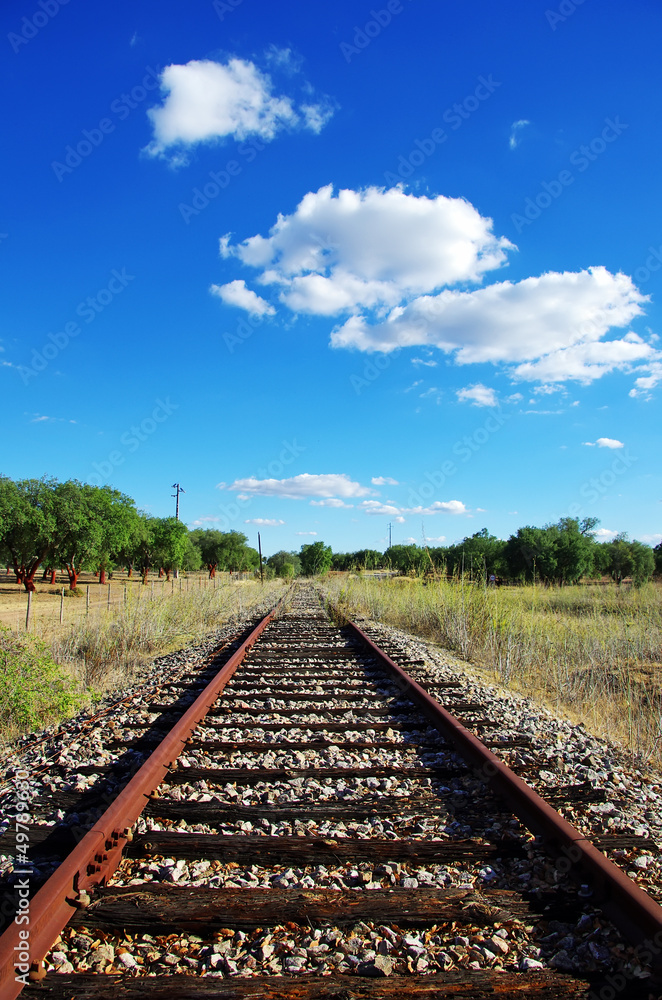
(170, 542)
(315, 558)
(225, 550)
(285, 564)
(623, 558)
(33, 688)
(27, 522)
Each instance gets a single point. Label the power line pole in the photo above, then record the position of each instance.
(389, 534)
(177, 488)
(259, 546)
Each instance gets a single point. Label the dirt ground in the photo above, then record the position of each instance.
(47, 599)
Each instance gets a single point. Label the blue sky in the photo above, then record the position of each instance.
(335, 266)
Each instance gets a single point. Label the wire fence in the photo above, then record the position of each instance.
(52, 609)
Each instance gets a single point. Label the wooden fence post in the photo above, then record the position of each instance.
(62, 607)
(87, 599)
(27, 614)
(109, 597)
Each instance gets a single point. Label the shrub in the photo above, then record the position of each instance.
(34, 689)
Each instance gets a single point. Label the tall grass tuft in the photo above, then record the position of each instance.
(42, 682)
(589, 652)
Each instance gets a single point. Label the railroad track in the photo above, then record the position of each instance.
(311, 824)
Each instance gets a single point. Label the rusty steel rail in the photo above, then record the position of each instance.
(99, 853)
(631, 909)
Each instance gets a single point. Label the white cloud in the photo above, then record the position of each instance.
(205, 101)
(609, 443)
(376, 507)
(391, 510)
(266, 521)
(644, 384)
(440, 507)
(478, 395)
(604, 443)
(604, 534)
(235, 293)
(534, 321)
(331, 502)
(384, 263)
(653, 539)
(38, 418)
(515, 130)
(383, 481)
(432, 391)
(369, 248)
(313, 533)
(200, 521)
(301, 487)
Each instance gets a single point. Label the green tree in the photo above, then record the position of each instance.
(657, 554)
(407, 558)
(285, 564)
(315, 558)
(170, 543)
(27, 524)
(212, 546)
(192, 558)
(119, 522)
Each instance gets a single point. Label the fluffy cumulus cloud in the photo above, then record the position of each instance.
(300, 487)
(531, 323)
(235, 293)
(368, 249)
(604, 443)
(604, 534)
(383, 481)
(206, 101)
(393, 269)
(375, 507)
(478, 395)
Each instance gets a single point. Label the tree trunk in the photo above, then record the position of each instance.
(145, 571)
(73, 574)
(212, 570)
(53, 577)
(19, 570)
(102, 576)
(167, 576)
(160, 572)
(129, 570)
(44, 575)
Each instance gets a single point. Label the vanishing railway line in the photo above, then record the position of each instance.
(309, 823)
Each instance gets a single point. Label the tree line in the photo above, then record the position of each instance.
(46, 524)
(560, 553)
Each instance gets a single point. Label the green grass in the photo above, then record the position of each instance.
(592, 653)
(42, 682)
(34, 689)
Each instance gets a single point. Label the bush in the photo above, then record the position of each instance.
(34, 689)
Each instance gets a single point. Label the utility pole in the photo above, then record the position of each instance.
(177, 488)
(259, 547)
(389, 534)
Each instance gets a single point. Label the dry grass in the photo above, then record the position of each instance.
(591, 653)
(102, 653)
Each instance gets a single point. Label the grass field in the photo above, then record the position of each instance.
(591, 653)
(46, 676)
